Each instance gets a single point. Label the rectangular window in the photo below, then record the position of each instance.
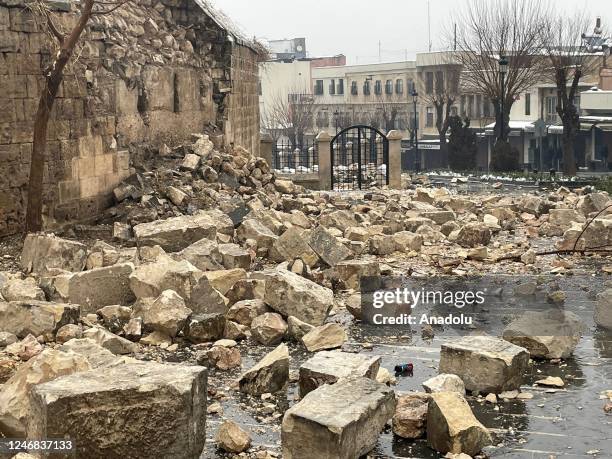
(332, 87)
(429, 82)
(410, 87)
(462, 106)
(486, 107)
(430, 117)
(354, 90)
(439, 82)
(319, 88)
(470, 109)
(341, 86)
(527, 104)
(366, 88)
(378, 87)
(551, 109)
(478, 106)
(399, 86)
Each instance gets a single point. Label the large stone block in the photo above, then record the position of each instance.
(293, 244)
(36, 317)
(270, 374)
(603, 309)
(14, 394)
(96, 288)
(135, 409)
(42, 252)
(327, 367)
(352, 271)
(338, 421)
(484, 363)
(328, 247)
(293, 295)
(410, 418)
(177, 233)
(551, 334)
(452, 427)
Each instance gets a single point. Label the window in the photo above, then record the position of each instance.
(319, 88)
(527, 104)
(478, 106)
(430, 117)
(322, 119)
(410, 87)
(389, 87)
(378, 87)
(332, 87)
(354, 90)
(399, 86)
(462, 106)
(259, 89)
(429, 82)
(486, 107)
(551, 109)
(366, 88)
(340, 86)
(470, 108)
(439, 82)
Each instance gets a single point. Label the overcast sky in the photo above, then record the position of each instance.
(355, 27)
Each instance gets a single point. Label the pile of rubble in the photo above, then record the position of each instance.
(212, 250)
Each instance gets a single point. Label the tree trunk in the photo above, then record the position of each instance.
(39, 147)
(569, 157)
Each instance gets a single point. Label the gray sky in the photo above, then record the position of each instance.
(355, 27)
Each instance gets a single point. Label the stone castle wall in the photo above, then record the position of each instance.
(149, 73)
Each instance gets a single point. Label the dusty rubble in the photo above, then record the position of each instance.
(208, 255)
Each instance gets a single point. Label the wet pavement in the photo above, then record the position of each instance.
(567, 422)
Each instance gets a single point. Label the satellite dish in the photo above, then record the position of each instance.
(299, 48)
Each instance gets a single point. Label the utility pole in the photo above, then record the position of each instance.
(429, 26)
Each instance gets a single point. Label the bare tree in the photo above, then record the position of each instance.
(388, 109)
(487, 30)
(293, 114)
(568, 62)
(66, 42)
(439, 88)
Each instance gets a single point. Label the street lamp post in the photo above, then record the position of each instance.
(503, 69)
(336, 114)
(417, 158)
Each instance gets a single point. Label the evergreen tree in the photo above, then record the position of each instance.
(462, 147)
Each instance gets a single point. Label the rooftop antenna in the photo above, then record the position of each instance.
(429, 26)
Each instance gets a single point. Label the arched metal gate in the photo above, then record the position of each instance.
(359, 158)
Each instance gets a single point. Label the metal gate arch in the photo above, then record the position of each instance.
(359, 158)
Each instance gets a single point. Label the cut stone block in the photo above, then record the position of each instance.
(338, 421)
(96, 288)
(125, 409)
(22, 318)
(444, 383)
(603, 309)
(293, 295)
(452, 427)
(177, 233)
(327, 367)
(351, 271)
(484, 363)
(410, 418)
(328, 247)
(551, 334)
(270, 374)
(42, 252)
(293, 244)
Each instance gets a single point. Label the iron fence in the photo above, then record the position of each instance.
(289, 158)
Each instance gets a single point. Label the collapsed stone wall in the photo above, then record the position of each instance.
(152, 72)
